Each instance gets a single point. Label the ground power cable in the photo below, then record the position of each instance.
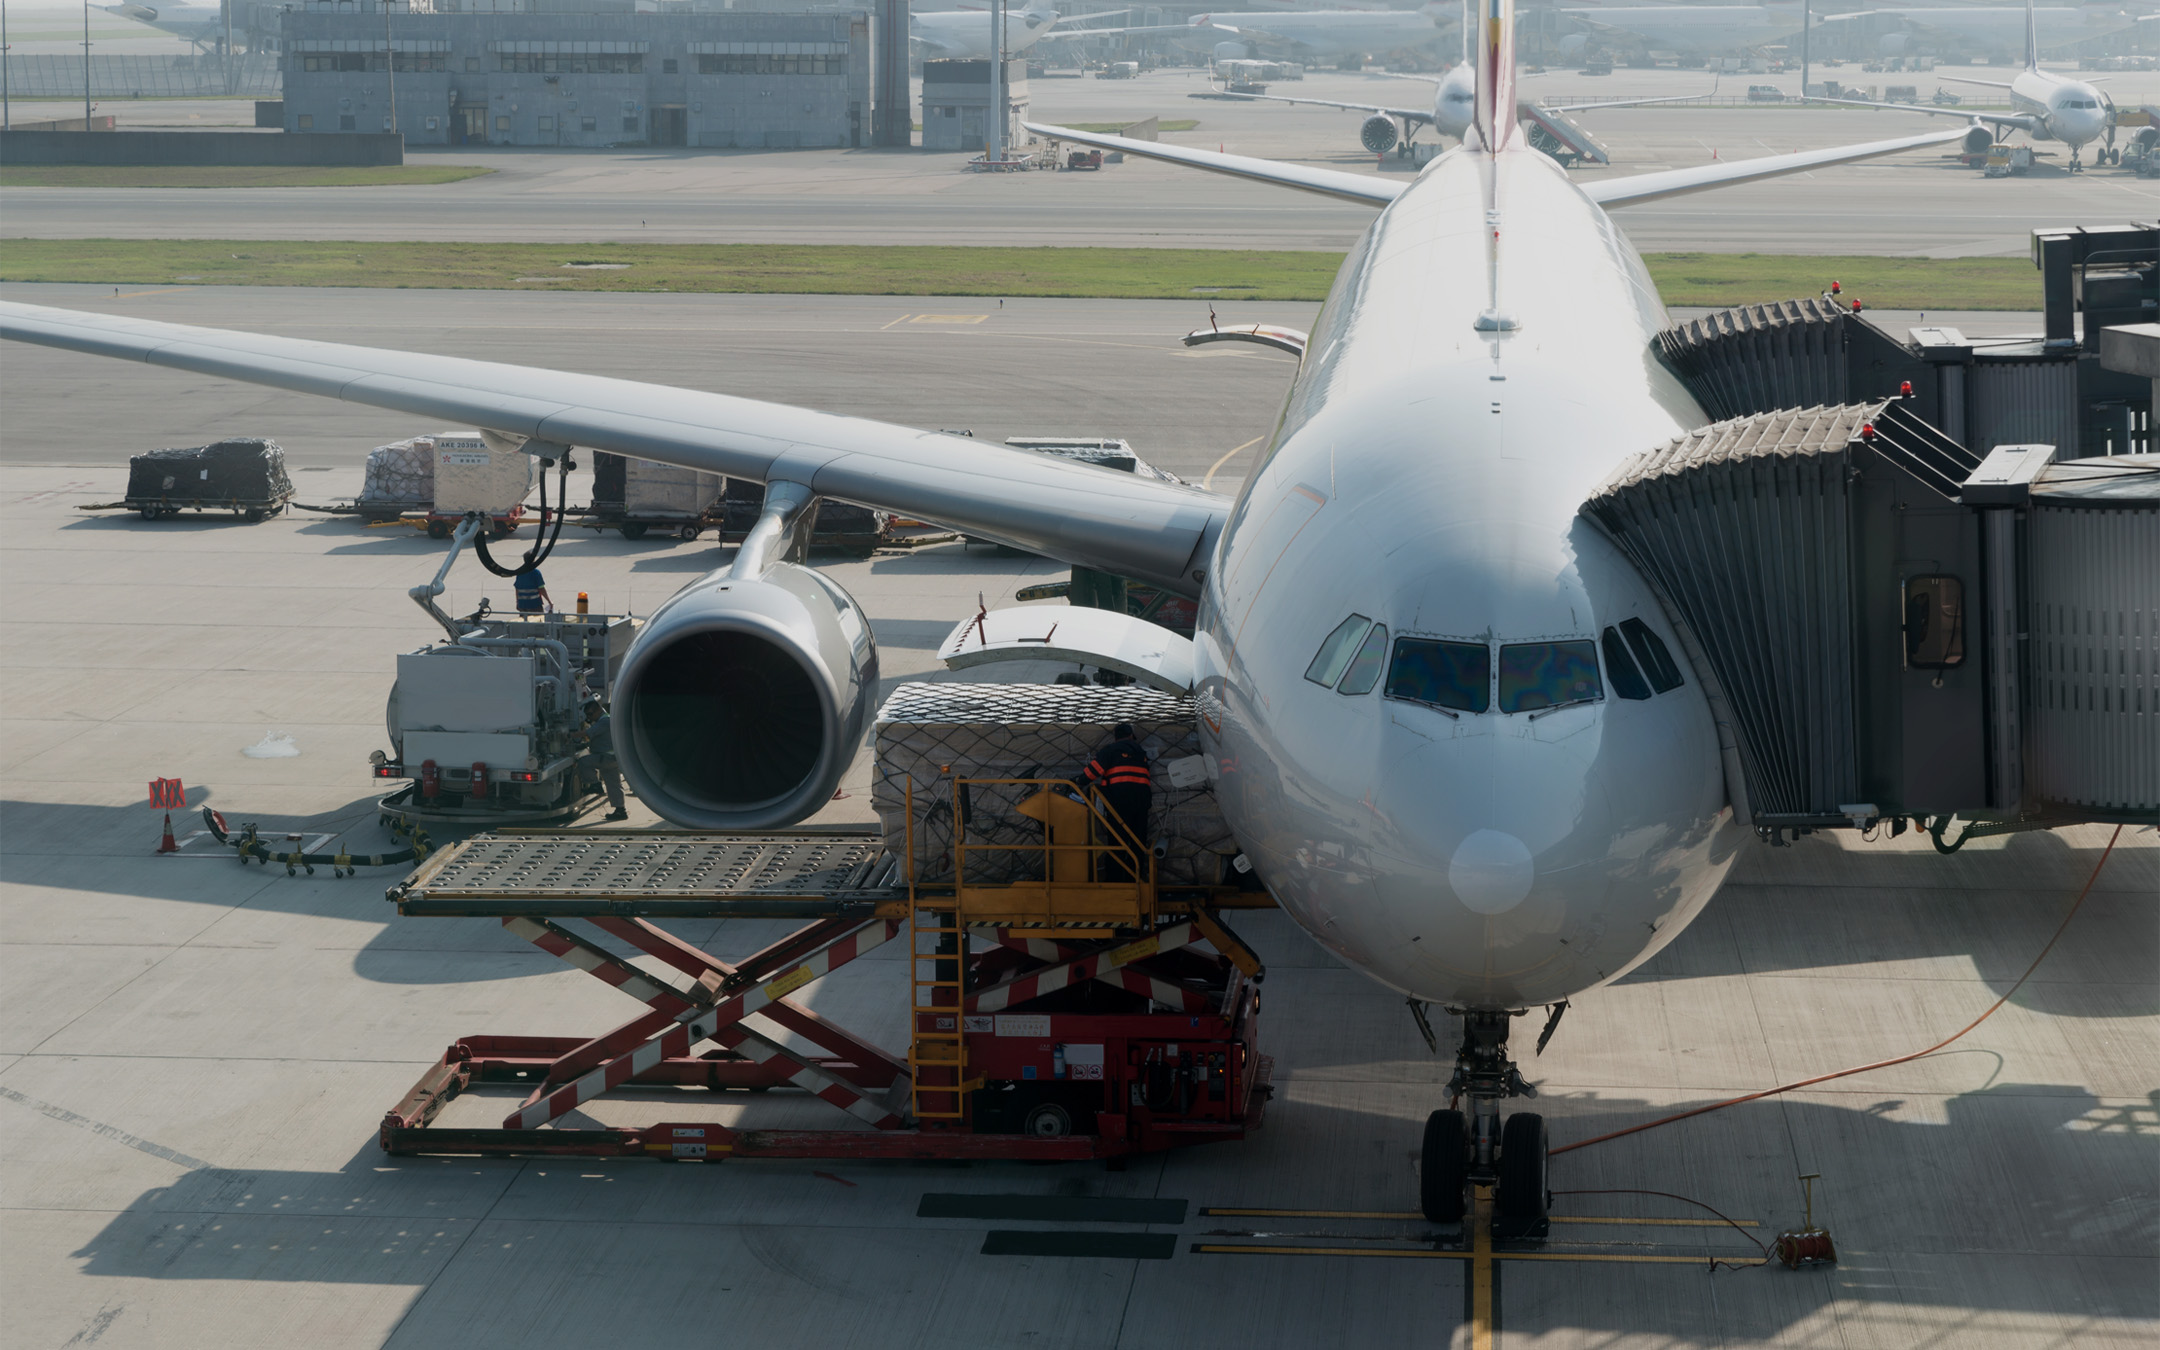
(1734, 1224)
(544, 543)
(2060, 929)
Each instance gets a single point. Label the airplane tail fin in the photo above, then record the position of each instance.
(1496, 121)
(2032, 38)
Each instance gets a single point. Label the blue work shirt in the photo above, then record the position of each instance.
(529, 584)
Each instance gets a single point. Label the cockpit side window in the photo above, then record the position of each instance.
(1656, 657)
(1364, 670)
(1536, 675)
(1627, 679)
(1455, 675)
(1336, 652)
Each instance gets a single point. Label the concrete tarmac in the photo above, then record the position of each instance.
(194, 1056)
(1915, 204)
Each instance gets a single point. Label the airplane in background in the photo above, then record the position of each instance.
(203, 25)
(1695, 30)
(1451, 114)
(964, 34)
(1324, 34)
(2050, 107)
(1994, 29)
(1418, 674)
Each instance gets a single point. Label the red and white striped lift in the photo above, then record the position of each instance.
(1085, 1021)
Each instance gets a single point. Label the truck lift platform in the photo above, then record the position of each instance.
(1064, 1016)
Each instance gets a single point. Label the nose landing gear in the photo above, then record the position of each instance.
(1478, 1150)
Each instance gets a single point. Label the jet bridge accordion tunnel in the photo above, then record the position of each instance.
(1889, 625)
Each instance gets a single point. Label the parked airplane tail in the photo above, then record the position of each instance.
(2032, 38)
(1496, 76)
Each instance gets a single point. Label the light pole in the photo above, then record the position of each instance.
(86, 65)
(389, 62)
(7, 114)
(1806, 19)
(994, 144)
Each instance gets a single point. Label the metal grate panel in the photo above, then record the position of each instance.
(506, 870)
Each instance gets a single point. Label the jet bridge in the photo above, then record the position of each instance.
(1890, 625)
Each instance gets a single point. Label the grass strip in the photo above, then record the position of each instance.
(847, 269)
(228, 175)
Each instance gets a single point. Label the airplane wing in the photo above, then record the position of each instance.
(2014, 121)
(1137, 527)
(1984, 84)
(1633, 102)
(1644, 187)
(1407, 114)
(1650, 187)
(1355, 187)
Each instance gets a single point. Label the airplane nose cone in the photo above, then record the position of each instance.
(1491, 871)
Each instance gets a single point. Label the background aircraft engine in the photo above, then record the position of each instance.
(1572, 45)
(1233, 51)
(1893, 44)
(1978, 140)
(1378, 133)
(742, 702)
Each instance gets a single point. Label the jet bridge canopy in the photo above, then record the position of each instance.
(1886, 626)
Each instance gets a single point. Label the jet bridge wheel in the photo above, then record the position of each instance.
(1522, 1205)
(1444, 1170)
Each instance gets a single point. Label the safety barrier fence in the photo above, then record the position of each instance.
(253, 75)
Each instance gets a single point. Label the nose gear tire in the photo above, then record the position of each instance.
(1444, 1169)
(1522, 1204)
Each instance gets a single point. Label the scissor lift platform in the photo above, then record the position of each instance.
(1083, 1021)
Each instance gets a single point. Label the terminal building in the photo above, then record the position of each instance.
(591, 80)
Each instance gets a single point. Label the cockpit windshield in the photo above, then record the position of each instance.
(1537, 675)
(1454, 675)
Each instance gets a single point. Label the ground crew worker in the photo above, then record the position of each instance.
(1120, 769)
(532, 594)
(600, 735)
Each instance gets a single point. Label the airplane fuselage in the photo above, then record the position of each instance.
(1519, 846)
(964, 34)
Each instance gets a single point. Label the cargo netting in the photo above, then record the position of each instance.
(242, 472)
(932, 735)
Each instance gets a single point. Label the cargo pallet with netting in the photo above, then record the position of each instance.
(1074, 1005)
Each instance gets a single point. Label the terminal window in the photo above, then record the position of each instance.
(772, 65)
(314, 62)
(667, 67)
(502, 124)
(598, 63)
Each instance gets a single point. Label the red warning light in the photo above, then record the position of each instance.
(1904, 389)
(1867, 431)
(1835, 288)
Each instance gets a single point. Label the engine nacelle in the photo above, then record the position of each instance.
(1977, 140)
(1233, 51)
(742, 703)
(1572, 44)
(1378, 133)
(1893, 44)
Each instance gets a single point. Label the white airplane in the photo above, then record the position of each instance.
(964, 34)
(1450, 115)
(203, 25)
(1994, 28)
(1694, 29)
(1322, 33)
(2050, 107)
(1420, 677)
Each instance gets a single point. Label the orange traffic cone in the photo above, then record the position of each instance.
(168, 844)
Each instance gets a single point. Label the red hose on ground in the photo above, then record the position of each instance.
(1881, 1063)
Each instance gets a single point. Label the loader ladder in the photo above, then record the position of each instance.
(937, 969)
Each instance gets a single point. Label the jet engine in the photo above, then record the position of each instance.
(1233, 51)
(1977, 140)
(1893, 44)
(743, 701)
(1378, 133)
(1572, 44)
